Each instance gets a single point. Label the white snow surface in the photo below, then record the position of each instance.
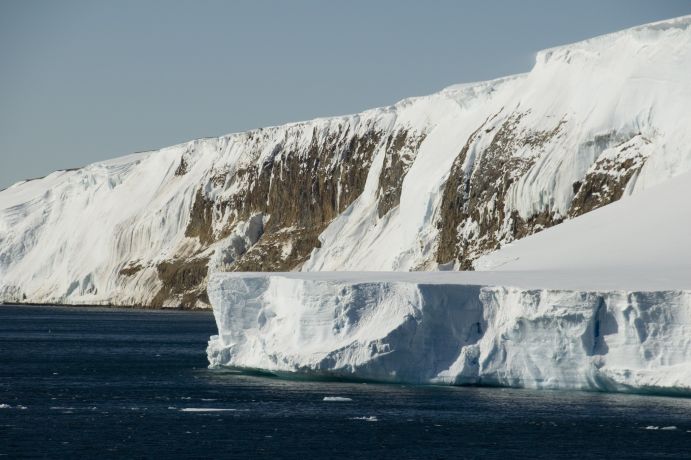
(644, 240)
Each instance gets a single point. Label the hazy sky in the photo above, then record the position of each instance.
(82, 81)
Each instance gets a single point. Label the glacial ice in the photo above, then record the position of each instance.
(206, 409)
(453, 333)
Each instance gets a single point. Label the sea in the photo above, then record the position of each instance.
(114, 383)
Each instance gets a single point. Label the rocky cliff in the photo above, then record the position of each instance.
(430, 183)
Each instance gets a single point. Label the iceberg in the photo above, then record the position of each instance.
(400, 327)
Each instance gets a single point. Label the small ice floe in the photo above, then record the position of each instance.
(663, 428)
(336, 399)
(7, 406)
(371, 418)
(206, 409)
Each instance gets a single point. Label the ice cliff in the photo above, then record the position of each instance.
(409, 330)
(431, 182)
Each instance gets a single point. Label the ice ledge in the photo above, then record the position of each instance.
(401, 328)
(650, 32)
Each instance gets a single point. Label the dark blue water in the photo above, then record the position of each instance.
(112, 383)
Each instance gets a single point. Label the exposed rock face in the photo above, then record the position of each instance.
(475, 219)
(608, 177)
(431, 182)
(287, 199)
(454, 203)
(182, 279)
(182, 169)
(401, 149)
(201, 219)
(299, 189)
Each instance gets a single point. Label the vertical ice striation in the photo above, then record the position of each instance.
(402, 330)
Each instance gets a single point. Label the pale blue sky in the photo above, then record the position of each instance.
(86, 80)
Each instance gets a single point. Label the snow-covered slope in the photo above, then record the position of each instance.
(591, 122)
(602, 302)
(432, 181)
(647, 233)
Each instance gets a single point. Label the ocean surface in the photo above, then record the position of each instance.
(107, 383)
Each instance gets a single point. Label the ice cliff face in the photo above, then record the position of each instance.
(430, 182)
(407, 330)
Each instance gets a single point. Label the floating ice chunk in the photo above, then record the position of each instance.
(7, 406)
(371, 418)
(336, 399)
(669, 428)
(446, 328)
(206, 409)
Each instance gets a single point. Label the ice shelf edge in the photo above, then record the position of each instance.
(402, 331)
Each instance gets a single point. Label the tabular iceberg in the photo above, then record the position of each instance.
(403, 330)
